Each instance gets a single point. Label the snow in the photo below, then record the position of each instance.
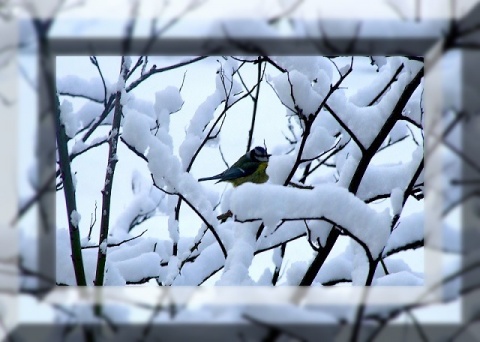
(402, 278)
(365, 122)
(319, 231)
(239, 256)
(277, 257)
(338, 268)
(227, 88)
(120, 85)
(173, 228)
(141, 106)
(394, 266)
(139, 267)
(163, 165)
(129, 250)
(352, 266)
(75, 218)
(76, 85)
(162, 247)
(63, 261)
(127, 62)
(347, 165)
(266, 278)
(90, 112)
(361, 265)
(309, 66)
(113, 277)
(74, 181)
(143, 203)
(287, 231)
(364, 95)
(279, 167)
(396, 198)
(382, 179)
(317, 143)
(409, 230)
(295, 90)
(295, 273)
(79, 147)
(125, 97)
(209, 260)
(271, 203)
(399, 131)
(171, 142)
(103, 246)
(167, 101)
(67, 118)
(328, 122)
(188, 148)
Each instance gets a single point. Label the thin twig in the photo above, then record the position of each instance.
(116, 244)
(94, 61)
(255, 105)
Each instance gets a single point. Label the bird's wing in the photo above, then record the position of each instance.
(237, 172)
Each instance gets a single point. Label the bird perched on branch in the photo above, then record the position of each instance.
(249, 168)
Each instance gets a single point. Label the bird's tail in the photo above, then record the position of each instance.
(210, 178)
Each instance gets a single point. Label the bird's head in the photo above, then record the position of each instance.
(259, 154)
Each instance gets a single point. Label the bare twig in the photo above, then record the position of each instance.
(116, 244)
(93, 220)
(154, 71)
(255, 105)
(94, 61)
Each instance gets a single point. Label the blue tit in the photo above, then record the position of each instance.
(249, 168)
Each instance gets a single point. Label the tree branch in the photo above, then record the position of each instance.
(358, 175)
(70, 200)
(107, 190)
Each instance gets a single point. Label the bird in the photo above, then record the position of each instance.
(249, 168)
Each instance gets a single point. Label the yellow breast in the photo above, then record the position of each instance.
(259, 176)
